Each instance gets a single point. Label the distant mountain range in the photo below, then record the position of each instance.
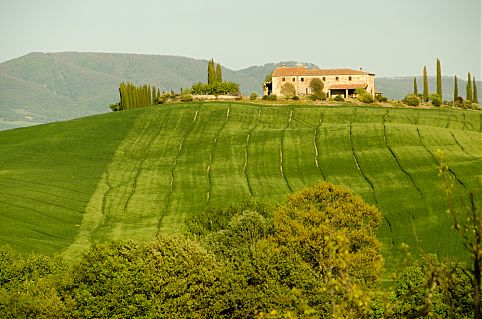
(45, 87)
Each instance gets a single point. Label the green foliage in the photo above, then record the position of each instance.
(253, 96)
(211, 72)
(381, 98)
(475, 98)
(439, 79)
(469, 93)
(186, 97)
(318, 96)
(268, 78)
(132, 96)
(436, 99)
(217, 88)
(338, 98)
(456, 89)
(316, 85)
(363, 96)
(459, 102)
(411, 100)
(115, 107)
(271, 97)
(425, 84)
(288, 90)
(415, 88)
(219, 73)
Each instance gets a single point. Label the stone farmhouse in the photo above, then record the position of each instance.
(342, 82)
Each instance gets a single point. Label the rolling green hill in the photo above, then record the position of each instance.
(132, 174)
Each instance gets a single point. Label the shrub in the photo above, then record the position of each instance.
(163, 98)
(272, 97)
(339, 98)
(411, 100)
(316, 85)
(296, 98)
(288, 90)
(436, 99)
(116, 107)
(253, 96)
(316, 96)
(238, 97)
(459, 102)
(365, 98)
(217, 88)
(382, 99)
(186, 97)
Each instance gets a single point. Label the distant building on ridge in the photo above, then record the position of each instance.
(342, 82)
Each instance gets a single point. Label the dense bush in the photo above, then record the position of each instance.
(115, 107)
(339, 98)
(411, 100)
(271, 97)
(186, 97)
(318, 96)
(363, 96)
(288, 90)
(217, 88)
(296, 98)
(436, 99)
(253, 96)
(381, 99)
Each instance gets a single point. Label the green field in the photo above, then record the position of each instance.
(132, 174)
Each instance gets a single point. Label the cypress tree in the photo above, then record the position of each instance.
(153, 97)
(211, 72)
(475, 98)
(469, 88)
(158, 93)
(439, 79)
(415, 88)
(425, 84)
(219, 74)
(456, 89)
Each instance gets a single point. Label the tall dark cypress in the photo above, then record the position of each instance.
(211, 72)
(425, 84)
(219, 74)
(415, 88)
(468, 96)
(475, 98)
(439, 79)
(456, 88)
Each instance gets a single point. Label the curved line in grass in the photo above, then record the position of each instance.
(460, 146)
(49, 194)
(395, 156)
(140, 167)
(356, 159)
(438, 163)
(41, 201)
(315, 143)
(247, 151)
(48, 185)
(211, 156)
(31, 209)
(281, 147)
(173, 168)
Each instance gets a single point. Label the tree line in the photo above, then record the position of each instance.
(132, 96)
(436, 98)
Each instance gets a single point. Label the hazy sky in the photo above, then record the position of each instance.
(388, 37)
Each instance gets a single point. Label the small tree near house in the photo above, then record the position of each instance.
(288, 90)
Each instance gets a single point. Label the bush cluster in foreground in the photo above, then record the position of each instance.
(316, 256)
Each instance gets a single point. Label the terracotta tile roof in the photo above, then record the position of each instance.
(348, 86)
(298, 71)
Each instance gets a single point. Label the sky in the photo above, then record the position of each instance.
(387, 37)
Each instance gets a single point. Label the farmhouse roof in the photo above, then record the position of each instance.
(298, 71)
(348, 86)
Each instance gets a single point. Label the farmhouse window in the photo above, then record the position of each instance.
(324, 79)
(302, 79)
(349, 78)
(284, 79)
(293, 79)
(337, 78)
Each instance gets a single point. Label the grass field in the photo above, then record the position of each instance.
(132, 174)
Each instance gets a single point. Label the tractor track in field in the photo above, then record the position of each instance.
(448, 122)
(40, 201)
(106, 194)
(460, 146)
(50, 194)
(418, 118)
(31, 209)
(281, 164)
(436, 161)
(395, 156)
(465, 121)
(47, 185)
(246, 153)
(316, 139)
(355, 159)
(173, 168)
(139, 170)
(211, 156)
